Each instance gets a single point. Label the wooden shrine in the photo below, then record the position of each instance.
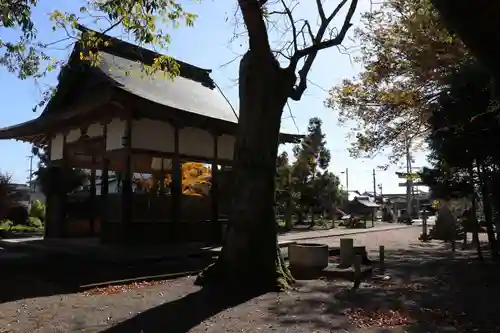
(114, 117)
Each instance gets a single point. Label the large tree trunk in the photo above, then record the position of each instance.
(473, 216)
(288, 211)
(250, 255)
(487, 211)
(475, 232)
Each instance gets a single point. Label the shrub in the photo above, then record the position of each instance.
(6, 201)
(6, 225)
(37, 210)
(35, 222)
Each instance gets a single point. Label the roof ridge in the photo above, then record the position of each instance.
(127, 50)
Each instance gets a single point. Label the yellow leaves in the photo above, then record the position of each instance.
(195, 179)
(163, 65)
(93, 58)
(347, 89)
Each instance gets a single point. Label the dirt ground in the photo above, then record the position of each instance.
(429, 290)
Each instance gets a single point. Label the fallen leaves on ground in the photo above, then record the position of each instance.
(460, 320)
(121, 288)
(409, 286)
(379, 318)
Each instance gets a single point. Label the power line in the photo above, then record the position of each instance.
(293, 118)
(227, 100)
(237, 117)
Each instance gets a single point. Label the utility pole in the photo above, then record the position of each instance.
(30, 179)
(374, 196)
(374, 187)
(346, 172)
(409, 180)
(347, 179)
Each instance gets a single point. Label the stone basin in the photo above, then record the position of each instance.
(308, 256)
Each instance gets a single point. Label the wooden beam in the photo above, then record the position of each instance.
(155, 111)
(183, 157)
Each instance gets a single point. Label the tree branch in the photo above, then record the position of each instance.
(292, 22)
(309, 30)
(312, 51)
(321, 11)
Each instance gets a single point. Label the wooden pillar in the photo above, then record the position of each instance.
(61, 197)
(215, 181)
(104, 200)
(176, 186)
(92, 199)
(48, 230)
(126, 204)
(162, 178)
(214, 191)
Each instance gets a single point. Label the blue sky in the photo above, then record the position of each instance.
(207, 45)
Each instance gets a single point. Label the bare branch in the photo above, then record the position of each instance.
(281, 54)
(237, 57)
(309, 30)
(318, 44)
(292, 22)
(277, 12)
(321, 11)
(114, 25)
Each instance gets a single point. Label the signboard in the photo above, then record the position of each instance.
(409, 176)
(417, 183)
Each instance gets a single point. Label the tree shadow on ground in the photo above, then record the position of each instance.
(430, 290)
(39, 275)
(180, 315)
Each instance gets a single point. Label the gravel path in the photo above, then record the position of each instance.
(178, 306)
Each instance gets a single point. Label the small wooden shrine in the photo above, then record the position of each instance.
(114, 117)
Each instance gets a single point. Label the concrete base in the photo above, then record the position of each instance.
(358, 250)
(334, 271)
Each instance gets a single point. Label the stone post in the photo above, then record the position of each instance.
(346, 252)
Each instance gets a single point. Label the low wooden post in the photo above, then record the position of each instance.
(381, 253)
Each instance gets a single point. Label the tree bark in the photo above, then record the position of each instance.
(487, 212)
(475, 231)
(288, 211)
(250, 255)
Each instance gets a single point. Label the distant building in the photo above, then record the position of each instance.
(27, 193)
(399, 203)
